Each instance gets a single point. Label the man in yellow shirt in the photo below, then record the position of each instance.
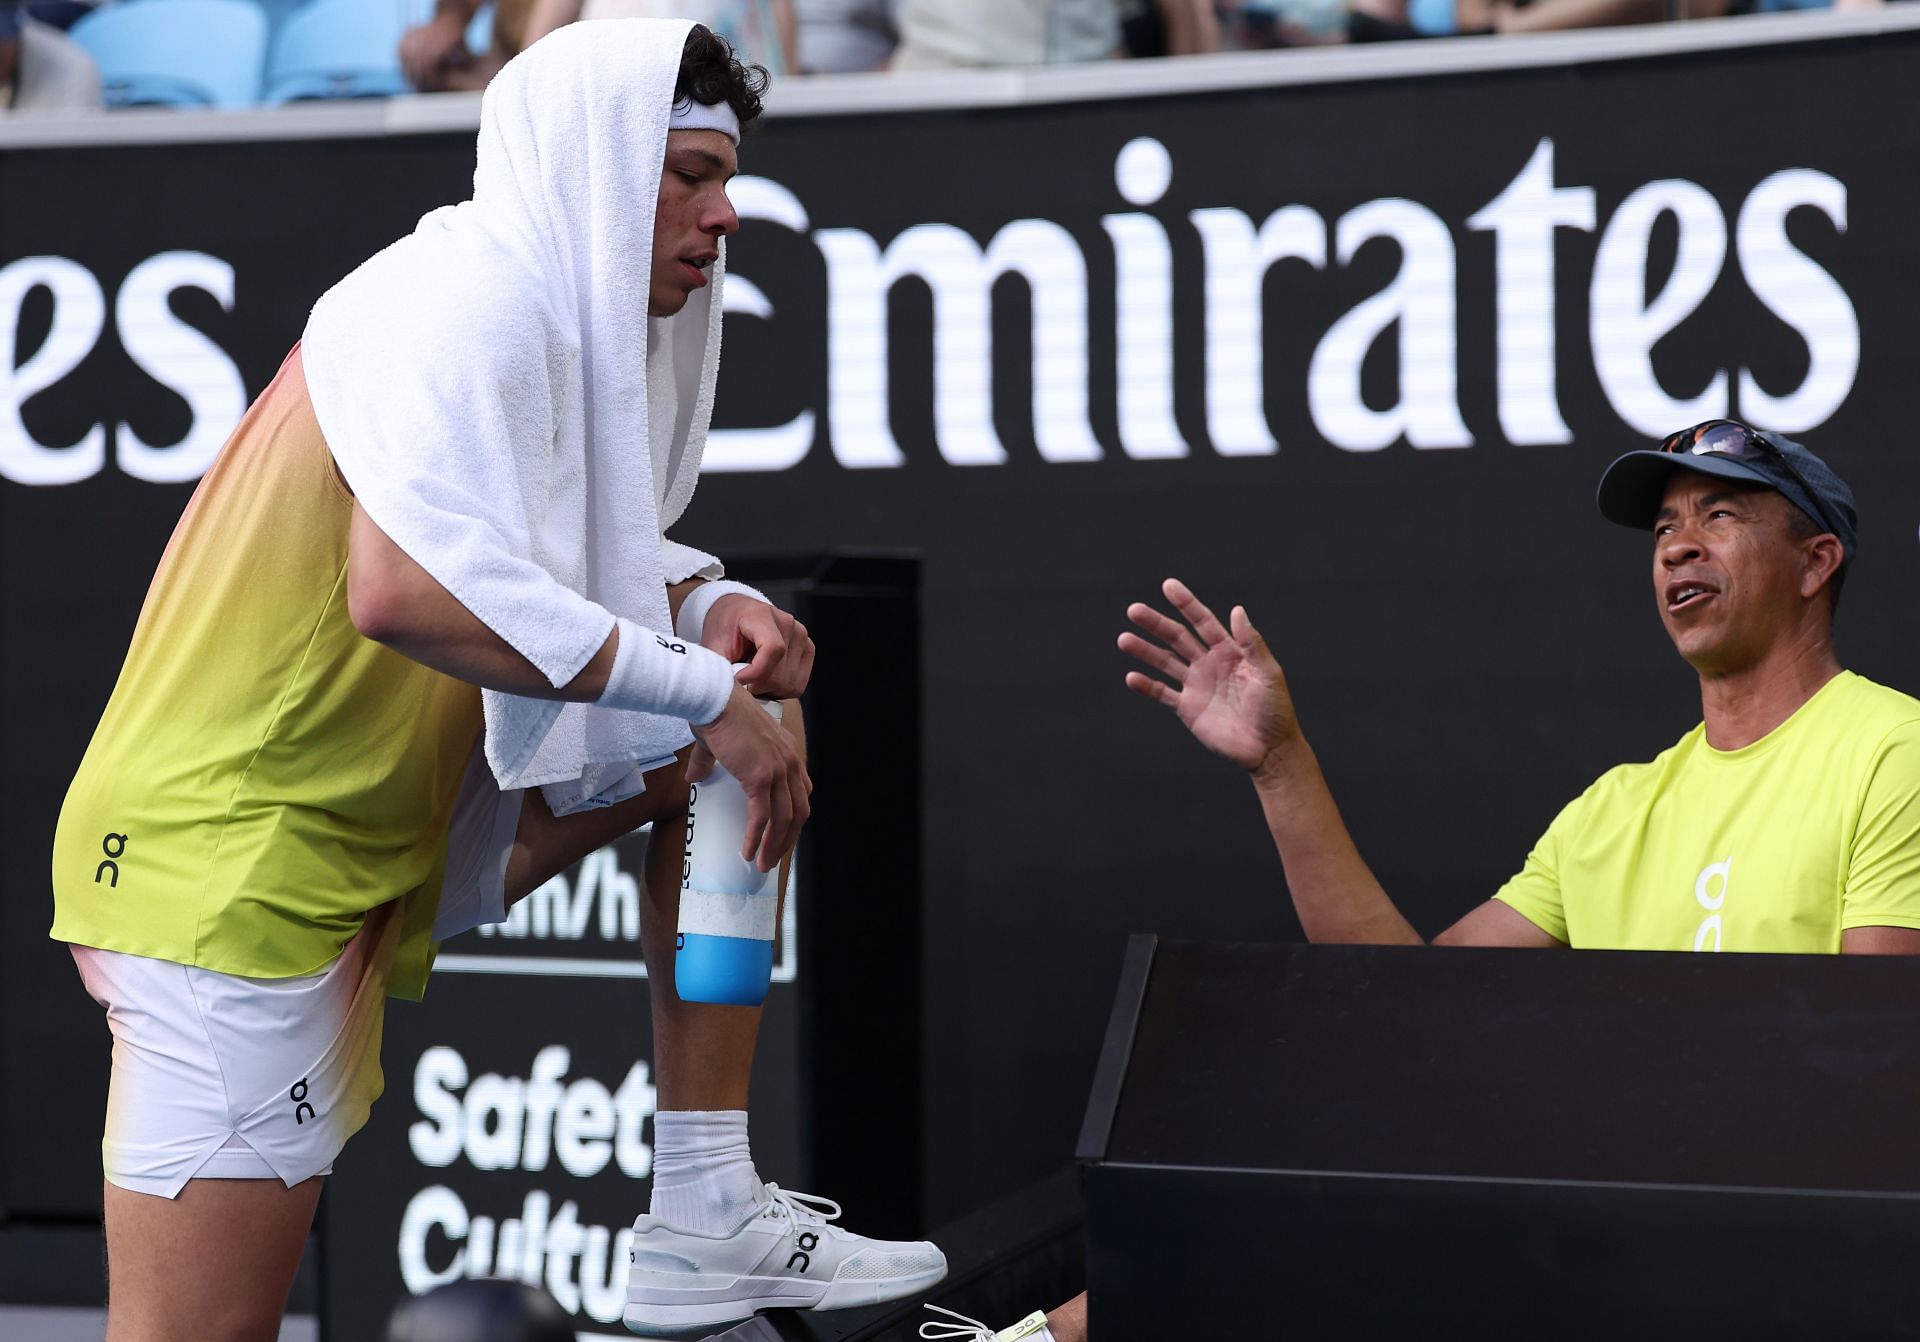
(1788, 820)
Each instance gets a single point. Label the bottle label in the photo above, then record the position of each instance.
(718, 913)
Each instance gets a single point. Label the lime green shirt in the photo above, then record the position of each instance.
(1779, 846)
(263, 776)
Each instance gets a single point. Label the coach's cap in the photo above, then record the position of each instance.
(1632, 487)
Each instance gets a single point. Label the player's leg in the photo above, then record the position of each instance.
(717, 1245)
(702, 1054)
(214, 1264)
(228, 1102)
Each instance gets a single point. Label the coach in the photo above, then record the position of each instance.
(1787, 820)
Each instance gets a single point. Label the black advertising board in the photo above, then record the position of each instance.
(1351, 351)
(1697, 1146)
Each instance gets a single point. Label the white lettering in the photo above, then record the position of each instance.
(1801, 294)
(619, 901)
(603, 1275)
(564, 1240)
(79, 315)
(496, 1116)
(1143, 305)
(587, 1122)
(181, 359)
(431, 1209)
(1421, 300)
(563, 909)
(582, 1266)
(505, 1122)
(1522, 219)
(1237, 262)
(783, 445)
(635, 1102)
(544, 1098)
(1625, 326)
(437, 1078)
(961, 276)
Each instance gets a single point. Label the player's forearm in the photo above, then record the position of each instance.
(452, 640)
(396, 602)
(1334, 892)
(400, 606)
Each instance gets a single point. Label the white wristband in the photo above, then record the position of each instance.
(672, 677)
(692, 620)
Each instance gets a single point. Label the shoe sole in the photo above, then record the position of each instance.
(674, 1312)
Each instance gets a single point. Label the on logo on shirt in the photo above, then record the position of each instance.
(1710, 899)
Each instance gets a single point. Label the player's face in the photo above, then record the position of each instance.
(692, 216)
(1726, 571)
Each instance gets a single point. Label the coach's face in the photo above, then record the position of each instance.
(1727, 571)
(692, 215)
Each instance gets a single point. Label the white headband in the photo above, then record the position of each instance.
(692, 114)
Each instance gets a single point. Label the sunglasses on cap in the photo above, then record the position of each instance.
(1729, 438)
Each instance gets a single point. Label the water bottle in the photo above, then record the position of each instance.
(728, 907)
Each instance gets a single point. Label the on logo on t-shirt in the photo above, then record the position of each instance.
(1710, 891)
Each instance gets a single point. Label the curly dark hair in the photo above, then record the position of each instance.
(711, 72)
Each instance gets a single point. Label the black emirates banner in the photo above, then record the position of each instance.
(1352, 353)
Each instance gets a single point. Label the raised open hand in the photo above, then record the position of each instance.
(1226, 687)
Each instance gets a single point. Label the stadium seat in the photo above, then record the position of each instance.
(338, 49)
(176, 53)
(480, 31)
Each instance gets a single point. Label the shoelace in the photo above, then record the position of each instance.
(966, 1330)
(807, 1208)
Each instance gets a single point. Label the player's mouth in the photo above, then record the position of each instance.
(1688, 594)
(695, 268)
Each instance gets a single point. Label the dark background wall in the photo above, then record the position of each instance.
(1468, 642)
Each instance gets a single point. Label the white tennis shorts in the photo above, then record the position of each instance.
(216, 1076)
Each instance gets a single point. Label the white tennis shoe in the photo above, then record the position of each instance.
(785, 1255)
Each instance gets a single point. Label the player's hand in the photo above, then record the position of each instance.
(775, 647)
(427, 50)
(757, 750)
(1226, 687)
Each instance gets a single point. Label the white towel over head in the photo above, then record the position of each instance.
(504, 408)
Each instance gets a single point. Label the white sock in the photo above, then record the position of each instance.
(703, 1175)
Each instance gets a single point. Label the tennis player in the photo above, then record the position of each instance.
(418, 642)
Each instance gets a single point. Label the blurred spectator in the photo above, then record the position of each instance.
(840, 37)
(1256, 24)
(41, 68)
(1539, 16)
(945, 35)
(1169, 27)
(435, 55)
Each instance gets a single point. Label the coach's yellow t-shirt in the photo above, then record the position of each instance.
(263, 775)
(1780, 846)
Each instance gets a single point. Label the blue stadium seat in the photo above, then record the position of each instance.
(177, 53)
(338, 49)
(480, 31)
